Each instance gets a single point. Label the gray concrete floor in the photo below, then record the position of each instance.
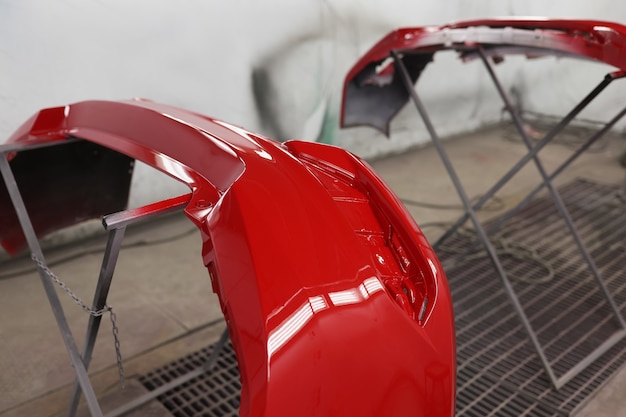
(162, 295)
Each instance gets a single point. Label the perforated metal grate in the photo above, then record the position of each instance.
(566, 309)
(214, 394)
(499, 373)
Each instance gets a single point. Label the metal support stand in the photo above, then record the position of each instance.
(539, 146)
(532, 154)
(115, 224)
(109, 261)
(558, 171)
(70, 344)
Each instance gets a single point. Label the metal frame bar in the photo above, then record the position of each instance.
(53, 298)
(532, 154)
(538, 147)
(116, 225)
(125, 218)
(493, 227)
(109, 262)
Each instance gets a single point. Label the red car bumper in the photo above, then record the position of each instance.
(335, 302)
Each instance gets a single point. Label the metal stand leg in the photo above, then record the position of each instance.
(538, 147)
(55, 303)
(528, 198)
(472, 214)
(109, 261)
(116, 224)
(470, 211)
(556, 197)
(557, 171)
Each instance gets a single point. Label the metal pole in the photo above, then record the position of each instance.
(557, 171)
(472, 214)
(556, 197)
(55, 303)
(109, 261)
(116, 224)
(531, 154)
(529, 197)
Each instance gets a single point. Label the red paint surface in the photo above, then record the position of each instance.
(321, 272)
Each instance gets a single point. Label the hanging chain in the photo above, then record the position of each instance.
(94, 313)
(118, 351)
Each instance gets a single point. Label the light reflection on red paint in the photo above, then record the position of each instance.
(313, 305)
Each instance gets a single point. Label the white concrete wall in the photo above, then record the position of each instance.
(275, 67)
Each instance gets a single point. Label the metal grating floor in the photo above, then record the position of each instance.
(567, 310)
(498, 371)
(214, 394)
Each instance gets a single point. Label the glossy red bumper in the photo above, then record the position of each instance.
(336, 303)
(373, 95)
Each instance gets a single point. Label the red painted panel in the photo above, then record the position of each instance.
(336, 303)
(372, 95)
